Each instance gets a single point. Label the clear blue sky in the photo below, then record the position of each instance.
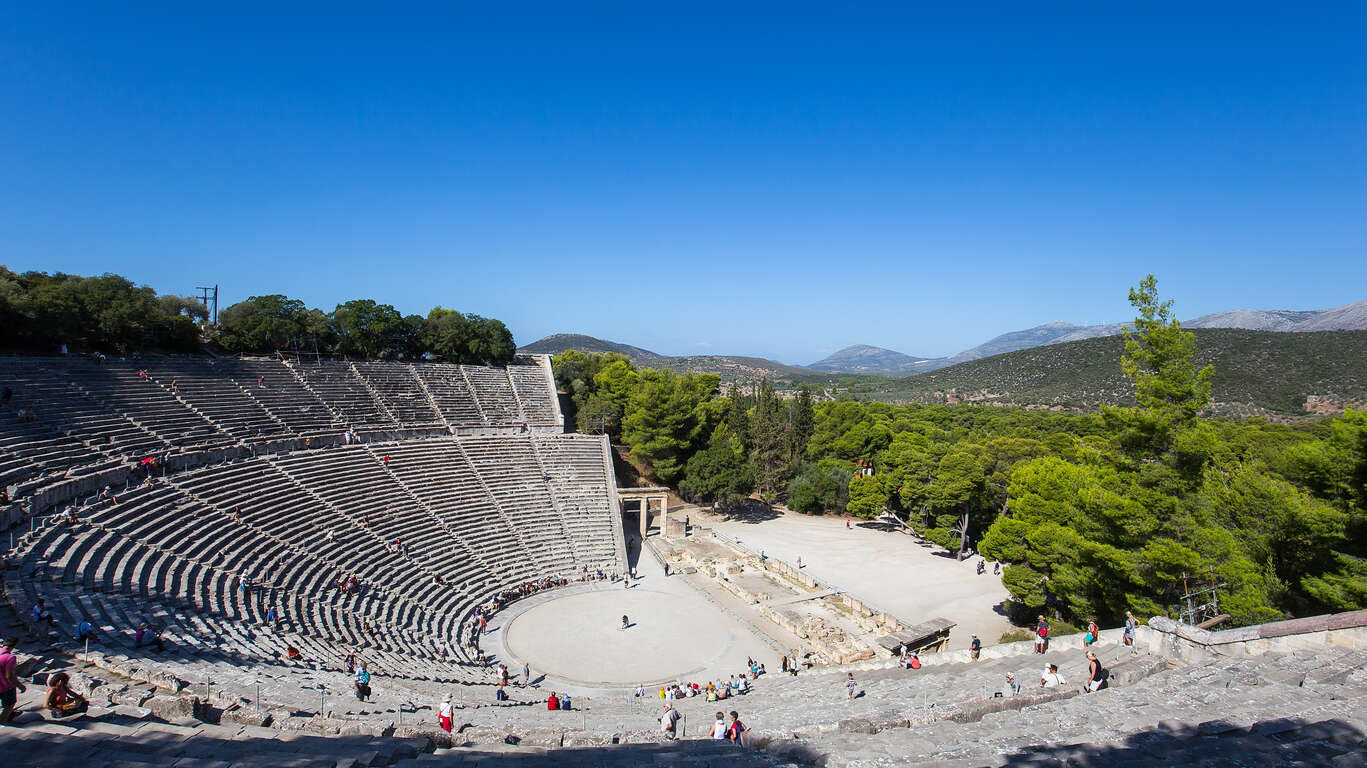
(780, 181)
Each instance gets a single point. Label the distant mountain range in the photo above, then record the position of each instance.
(1006, 370)
(1284, 376)
(862, 358)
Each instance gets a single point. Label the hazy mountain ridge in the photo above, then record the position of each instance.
(862, 358)
(1351, 317)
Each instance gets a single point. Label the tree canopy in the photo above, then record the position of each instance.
(40, 312)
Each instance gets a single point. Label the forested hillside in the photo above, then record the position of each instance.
(1257, 373)
(1094, 514)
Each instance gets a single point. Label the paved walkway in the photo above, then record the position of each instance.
(891, 570)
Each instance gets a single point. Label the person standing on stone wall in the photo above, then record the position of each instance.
(1041, 635)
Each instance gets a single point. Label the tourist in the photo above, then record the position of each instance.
(444, 713)
(1096, 674)
(997, 568)
(1093, 634)
(362, 683)
(975, 648)
(84, 630)
(292, 653)
(526, 675)
(1051, 678)
(61, 701)
(1041, 635)
(850, 686)
(1130, 624)
(565, 702)
(783, 664)
(271, 617)
(40, 614)
(385, 459)
(1010, 688)
(718, 727)
(669, 721)
(10, 684)
(350, 662)
(148, 635)
(625, 622)
(742, 687)
(982, 567)
(553, 702)
(736, 732)
(641, 691)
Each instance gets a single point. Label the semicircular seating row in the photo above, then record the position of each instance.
(474, 515)
(92, 416)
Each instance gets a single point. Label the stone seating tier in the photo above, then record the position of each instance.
(92, 414)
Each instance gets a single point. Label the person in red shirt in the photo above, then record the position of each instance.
(553, 703)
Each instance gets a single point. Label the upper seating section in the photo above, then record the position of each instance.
(80, 415)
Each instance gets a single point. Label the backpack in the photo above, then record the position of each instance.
(1043, 631)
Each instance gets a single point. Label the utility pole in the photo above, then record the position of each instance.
(206, 298)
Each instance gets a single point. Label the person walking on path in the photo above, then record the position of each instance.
(10, 684)
(1130, 624)
(444, 713)
(975, 648)
(1096, 674)
(526, 675)
(850, 686)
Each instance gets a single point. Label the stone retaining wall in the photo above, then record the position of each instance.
(1169, 638)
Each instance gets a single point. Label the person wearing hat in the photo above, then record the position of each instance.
(975, 648)
(444, 713)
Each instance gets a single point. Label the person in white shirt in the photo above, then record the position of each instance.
(1051, 678)
(719, 727)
